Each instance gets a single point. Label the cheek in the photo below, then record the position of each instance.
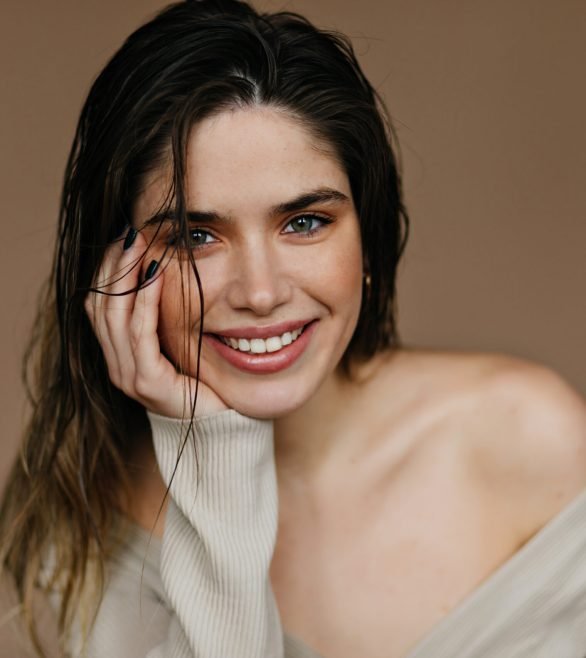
(339, 274)
(179, 312)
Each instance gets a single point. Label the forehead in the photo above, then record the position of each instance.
(241, 161)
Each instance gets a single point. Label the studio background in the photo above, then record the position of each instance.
(488, 99)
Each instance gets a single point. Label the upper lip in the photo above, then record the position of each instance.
(262, 332)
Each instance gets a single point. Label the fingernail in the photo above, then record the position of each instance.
(123, 230)
(130, 237)
(151, 270)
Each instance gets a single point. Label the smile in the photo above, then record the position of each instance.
(263, 350)
(262, 345)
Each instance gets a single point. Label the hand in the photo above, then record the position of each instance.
(126, 328)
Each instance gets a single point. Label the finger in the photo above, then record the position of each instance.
(122, 270)
(157, 383)
(161, 388)
(113, 303)
(118, 306)
(94, 307)
(144, 340)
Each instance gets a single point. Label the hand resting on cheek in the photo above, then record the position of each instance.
(125, 316)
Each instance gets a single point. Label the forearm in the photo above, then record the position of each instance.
(220, 534)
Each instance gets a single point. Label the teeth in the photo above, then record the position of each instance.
(274, 344)
(258, 346)
(261, 345)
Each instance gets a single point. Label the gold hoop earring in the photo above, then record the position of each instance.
(367, 279)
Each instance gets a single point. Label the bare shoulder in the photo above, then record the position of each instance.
(531, 436)
(525, 434)
(519, 426)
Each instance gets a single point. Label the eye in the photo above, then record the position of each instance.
(197, 238)
(306, 224)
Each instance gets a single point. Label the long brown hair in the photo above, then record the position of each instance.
(193, 60)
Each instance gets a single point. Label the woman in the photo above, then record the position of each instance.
(230, 453)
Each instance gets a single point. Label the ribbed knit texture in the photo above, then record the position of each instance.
(533, 606)
(215, 599)
(219, 537)
(218, 544)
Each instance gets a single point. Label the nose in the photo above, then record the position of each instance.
(259, 282)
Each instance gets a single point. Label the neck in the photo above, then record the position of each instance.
(315, 436)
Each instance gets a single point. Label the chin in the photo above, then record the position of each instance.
(267, 402)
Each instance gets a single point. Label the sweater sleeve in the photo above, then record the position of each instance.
(219, 537)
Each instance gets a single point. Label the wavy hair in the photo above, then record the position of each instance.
(194, 59)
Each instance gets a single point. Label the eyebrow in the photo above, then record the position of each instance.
(320, 195)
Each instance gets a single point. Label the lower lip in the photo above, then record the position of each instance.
(267, 363)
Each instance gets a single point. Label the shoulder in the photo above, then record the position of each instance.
(526, 437)
(532, 419)
(518, 426)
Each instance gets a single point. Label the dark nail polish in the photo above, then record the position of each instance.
(130, 237)
(123, 230)
(151, 270)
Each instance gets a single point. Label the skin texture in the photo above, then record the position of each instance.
(399, 490)
(444, 465)
(255, 270)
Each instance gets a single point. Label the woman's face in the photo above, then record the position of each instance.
(275, 235)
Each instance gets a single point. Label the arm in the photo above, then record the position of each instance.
(221, 522)
(219, 537)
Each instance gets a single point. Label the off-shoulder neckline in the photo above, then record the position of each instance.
(569, 523)
(538, 557)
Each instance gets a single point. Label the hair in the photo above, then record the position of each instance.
(193, 60)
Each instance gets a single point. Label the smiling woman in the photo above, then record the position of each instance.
(230, 453)
(276, 238)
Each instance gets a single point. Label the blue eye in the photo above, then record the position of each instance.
(306, 224)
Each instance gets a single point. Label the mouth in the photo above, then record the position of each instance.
(270, 344)
(263, 350)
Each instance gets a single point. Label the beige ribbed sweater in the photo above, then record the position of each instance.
(204, 592)
(219, 538)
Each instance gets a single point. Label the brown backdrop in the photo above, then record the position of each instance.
(488, 100)
(489, 103)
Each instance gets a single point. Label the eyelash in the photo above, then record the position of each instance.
(324, 221)
(176, 239)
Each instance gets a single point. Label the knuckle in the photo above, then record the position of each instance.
(135, 333)
(114, 375)
(142, 386)
(110, 322)
(89, 304)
